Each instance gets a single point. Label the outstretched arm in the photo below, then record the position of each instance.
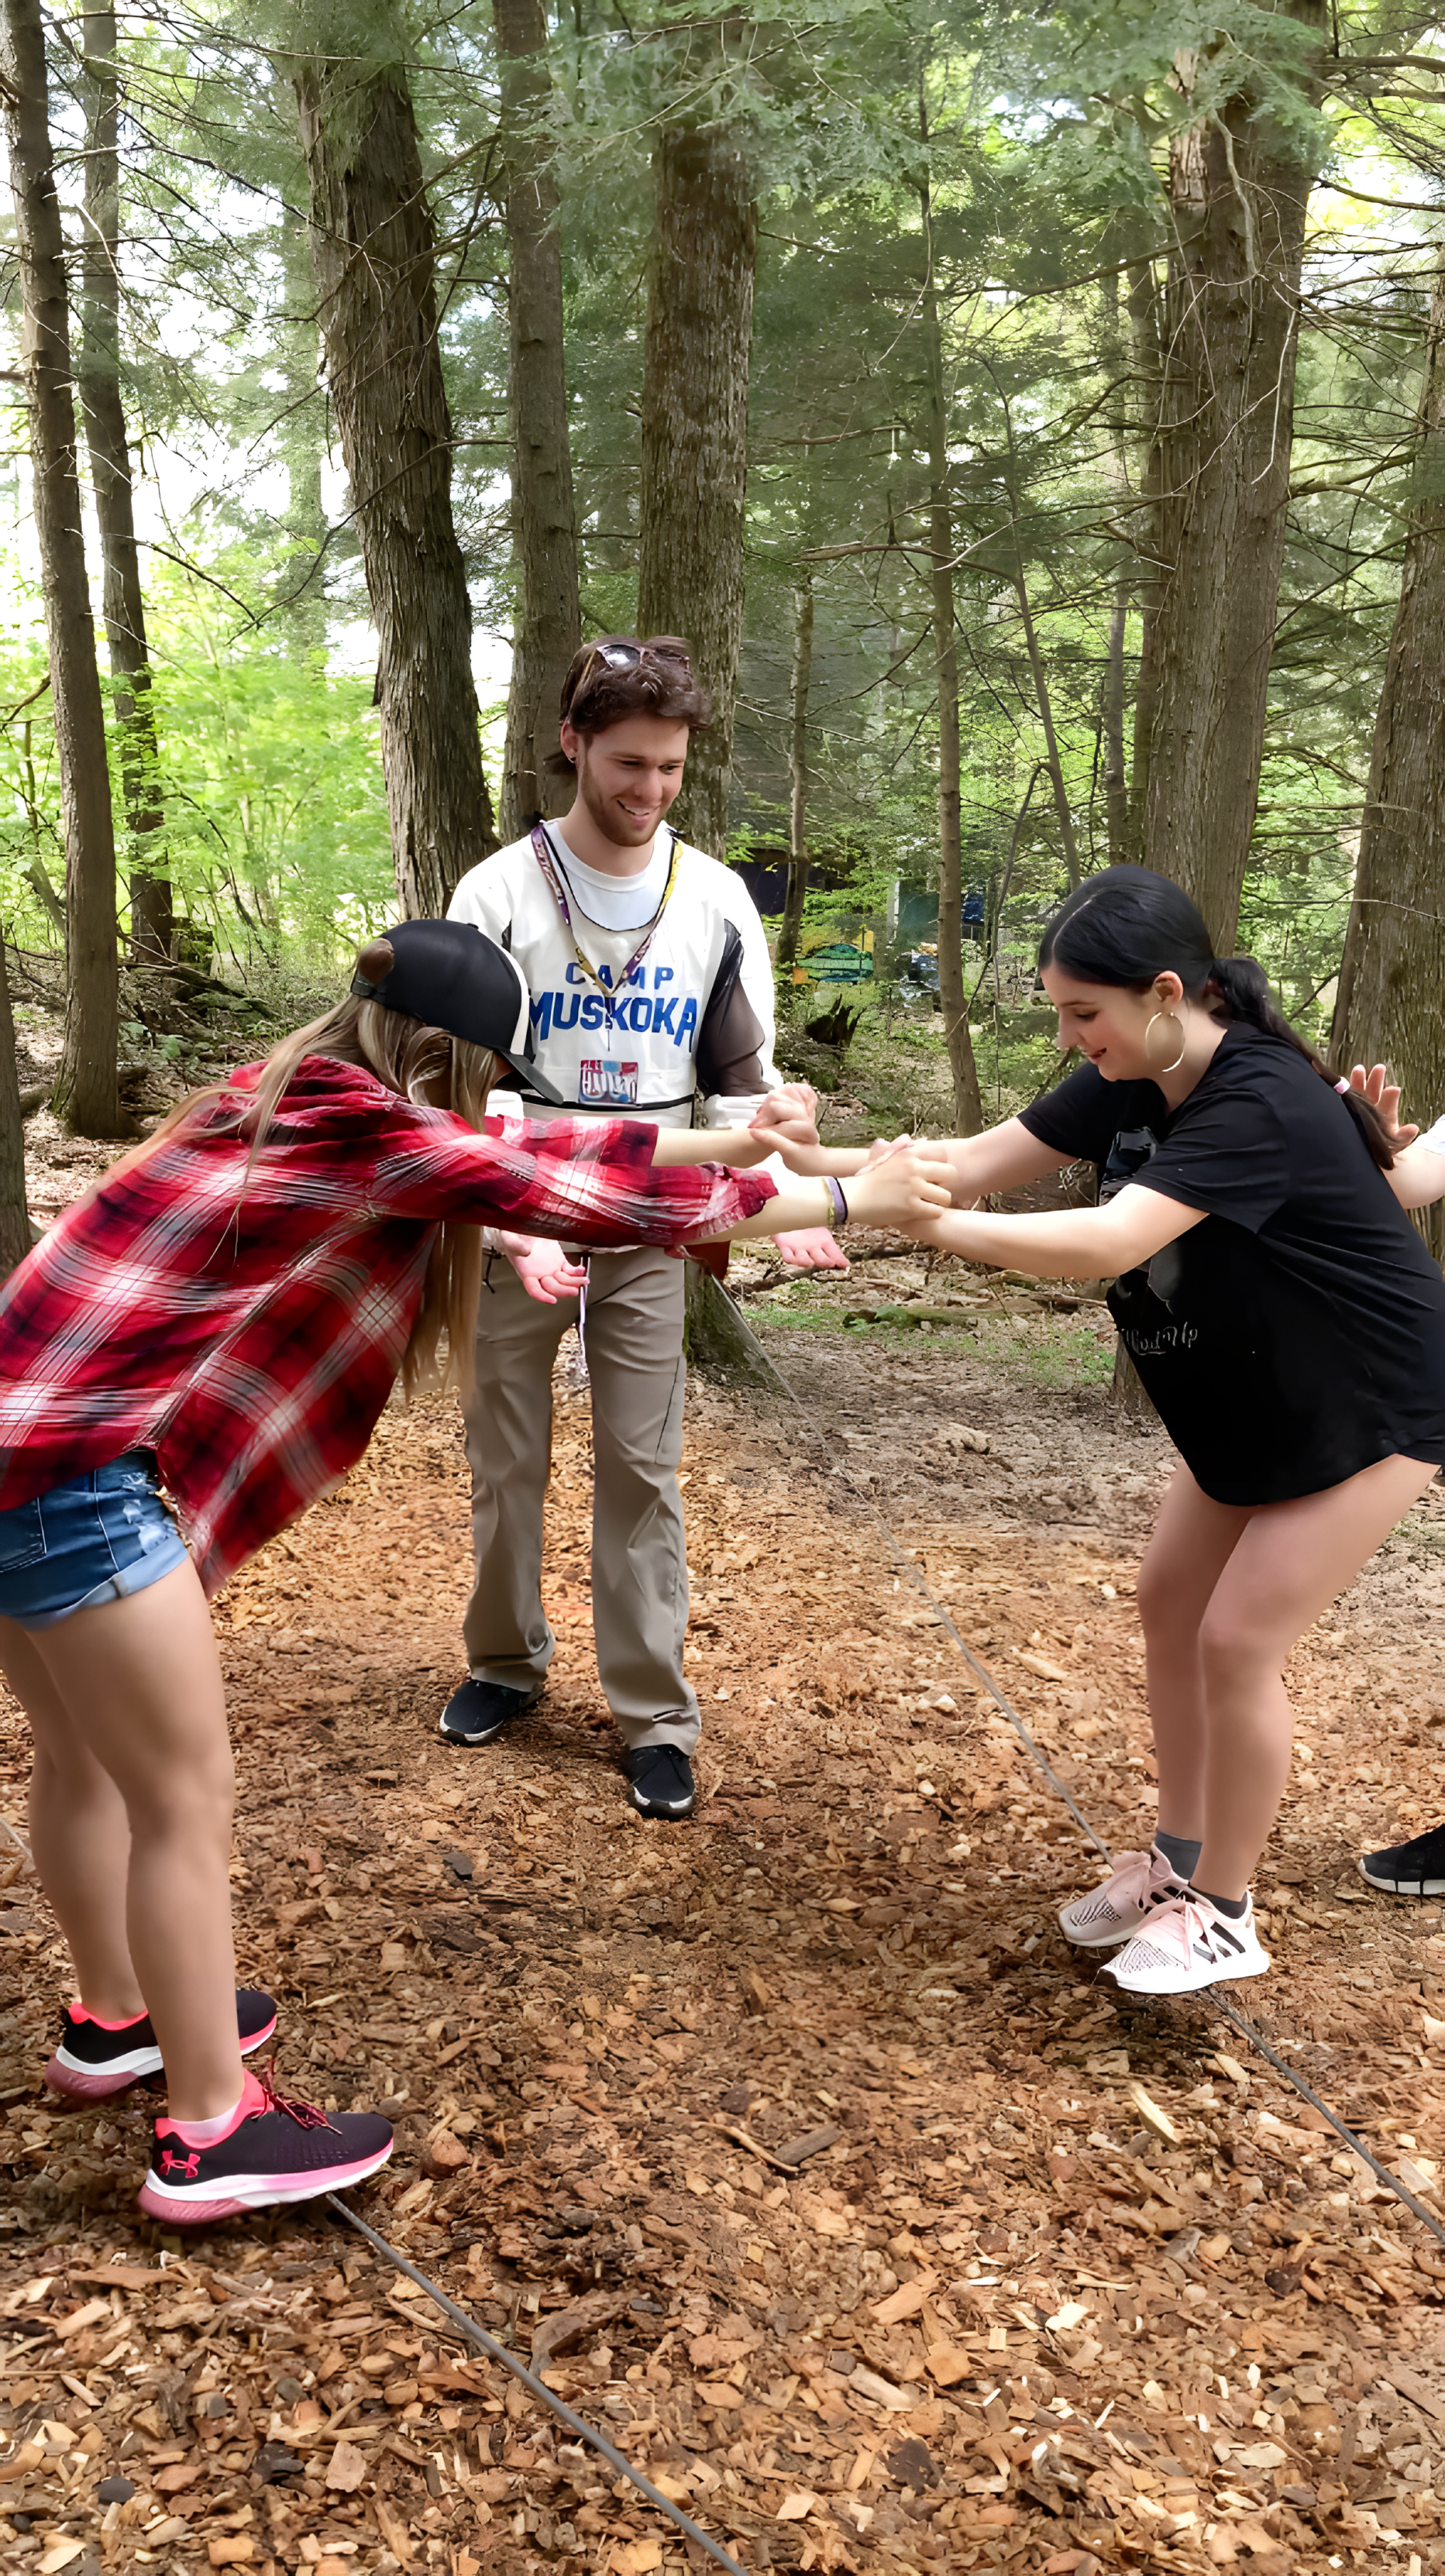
(1002, 1158)
(1073, 1243)
(906, 1191)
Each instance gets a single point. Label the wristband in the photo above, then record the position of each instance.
(836, 1199)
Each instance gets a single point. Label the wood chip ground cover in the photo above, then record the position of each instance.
(795, 2143)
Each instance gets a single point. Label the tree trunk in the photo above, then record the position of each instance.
(694, 435)
(1116, 782)
(544, 512)
(373, 245)
(1120, 354)
(122, 602)
(1148, 356)
(798, 774)
(85, 1092)
(713, 1338)
(1387, 1006)
(1052, 763)
(1238, 191)
(14, 1215)
(302, 444)
(967, 1102)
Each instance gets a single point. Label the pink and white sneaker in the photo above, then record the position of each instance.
(1139, 1883)
(272, 2151)
(1189, 1945)
(98, 2058)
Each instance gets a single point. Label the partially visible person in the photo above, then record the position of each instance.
(1415, 1868)
(224, 1315)
(652, 997)
(1289, 1326)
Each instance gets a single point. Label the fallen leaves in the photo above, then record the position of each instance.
(796, 2152)
(174, 2480)
(907, 2301)
(796, 2508)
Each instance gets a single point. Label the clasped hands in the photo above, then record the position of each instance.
(897, 1181)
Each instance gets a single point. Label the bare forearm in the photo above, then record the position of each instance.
(678, 1147)
(1072, 1243)
(1418, 1178)
(1002, 1158)
(802, 1204)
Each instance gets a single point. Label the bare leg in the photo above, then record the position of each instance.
(1192, 1543)
(1289, 1565)
(140, 1686)
(79, 1835)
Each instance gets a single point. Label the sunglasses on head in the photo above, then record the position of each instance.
(626, 657)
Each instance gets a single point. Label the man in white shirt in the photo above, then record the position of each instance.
(652, 996)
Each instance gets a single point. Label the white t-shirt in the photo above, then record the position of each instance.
(688, 1039)
(615, 903)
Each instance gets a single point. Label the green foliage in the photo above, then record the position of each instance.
(276, 831)
(271, 777)
(1042, 135)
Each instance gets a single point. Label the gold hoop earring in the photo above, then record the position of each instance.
(1183, 1027)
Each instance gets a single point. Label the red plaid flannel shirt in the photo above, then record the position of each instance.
(251, 1339)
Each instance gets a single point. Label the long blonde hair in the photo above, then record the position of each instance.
(424, 1064)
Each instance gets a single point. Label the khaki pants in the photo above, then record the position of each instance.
(639, 1552)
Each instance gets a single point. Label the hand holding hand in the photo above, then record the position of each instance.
(1384, 1096)
(907, 1187)
(543, 1268)
(883, 1148)
(786, 1123)
(811, 1249)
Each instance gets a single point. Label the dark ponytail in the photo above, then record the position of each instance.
(1127, 925)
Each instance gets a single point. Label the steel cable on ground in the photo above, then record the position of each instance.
(535, 2387)
(1220, 2003)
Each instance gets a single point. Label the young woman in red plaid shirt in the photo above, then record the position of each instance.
(225, 1313)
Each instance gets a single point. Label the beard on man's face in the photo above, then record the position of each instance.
(608, 814)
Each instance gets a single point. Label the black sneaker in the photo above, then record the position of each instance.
(1409, 1869)
(273, 2151)
(478, 1712)
(662, 1781)
(97, 2058)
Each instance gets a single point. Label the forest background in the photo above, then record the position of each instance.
(1034, 417)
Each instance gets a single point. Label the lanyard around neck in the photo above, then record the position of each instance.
(551, 868)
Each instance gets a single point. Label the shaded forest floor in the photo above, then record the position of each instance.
(794, 2142)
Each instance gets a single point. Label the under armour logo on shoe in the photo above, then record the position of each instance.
(189, 2166)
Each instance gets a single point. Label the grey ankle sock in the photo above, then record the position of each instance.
(1233, 1908)
(1181, 1854)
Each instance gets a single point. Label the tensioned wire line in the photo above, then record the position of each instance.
(536, 2387)
(908, 1565)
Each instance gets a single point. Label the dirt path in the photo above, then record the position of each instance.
(958, 2304)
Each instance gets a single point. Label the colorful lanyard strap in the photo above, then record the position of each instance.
(611, 993)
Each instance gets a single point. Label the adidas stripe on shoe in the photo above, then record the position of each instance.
(98, 2058)
(273, 2151)
(1138, 1884)
(1186, 1947)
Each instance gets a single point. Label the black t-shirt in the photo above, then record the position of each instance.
(1298, 1334)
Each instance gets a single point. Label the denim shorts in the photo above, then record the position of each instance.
(102, 1535)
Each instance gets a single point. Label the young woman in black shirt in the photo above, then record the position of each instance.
(1289, 1326)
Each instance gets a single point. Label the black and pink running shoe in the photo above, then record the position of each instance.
(273, 2151)
(98, 2058)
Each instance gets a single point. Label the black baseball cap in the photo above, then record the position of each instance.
(452, 976)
